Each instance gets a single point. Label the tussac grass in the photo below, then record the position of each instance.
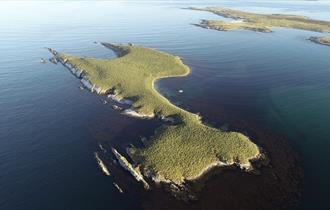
(254, 21)
(175, 152)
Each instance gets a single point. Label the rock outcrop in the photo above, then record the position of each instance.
(320, 40)
(101, 164)
(135, 172)
(79, 73)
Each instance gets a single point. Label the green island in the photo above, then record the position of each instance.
(181, 149)
(259, 22)
(325, 40)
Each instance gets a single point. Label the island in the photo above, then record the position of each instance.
(182, 148)
(325, 40)
(259, 22)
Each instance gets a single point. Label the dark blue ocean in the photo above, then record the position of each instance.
(49, 127)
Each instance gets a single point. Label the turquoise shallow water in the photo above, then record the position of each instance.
(47, 125)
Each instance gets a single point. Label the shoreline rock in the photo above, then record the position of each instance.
(120, 100)
(318, 40)
(117, 187)
(79, 73)
(205, 24)
(135, 172)
(133, 113)
(101, 165)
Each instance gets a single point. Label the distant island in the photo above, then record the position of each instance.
(183, 148)
(325, 40)
(259, 22)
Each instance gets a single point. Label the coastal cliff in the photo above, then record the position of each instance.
(81, 75)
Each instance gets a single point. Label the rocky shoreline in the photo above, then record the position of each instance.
(206, 24)
(135, 172)
(101, 164)
(81, 75)
(277, 185)
(224, 186)
(126, 107)
(320, 40)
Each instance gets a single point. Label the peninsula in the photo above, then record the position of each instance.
(259, 22)
(325, 40)
(181, 149)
